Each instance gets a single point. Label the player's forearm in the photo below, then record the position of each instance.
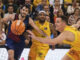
(40, 31)
(54, 33)
(45, 40)
(53, 30)
(35, 27)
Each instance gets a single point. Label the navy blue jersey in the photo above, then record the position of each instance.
(12, 40)
(16, 42)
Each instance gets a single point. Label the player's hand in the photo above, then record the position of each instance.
(27, 42)
(31, 34)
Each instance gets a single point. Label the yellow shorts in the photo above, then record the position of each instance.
(74, 55)
(37, 53)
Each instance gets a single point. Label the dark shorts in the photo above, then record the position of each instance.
(17, 47)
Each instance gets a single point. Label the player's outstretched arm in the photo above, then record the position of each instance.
(48, 40)
(35, 27)
(53, 30)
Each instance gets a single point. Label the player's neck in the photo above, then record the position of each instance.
(21, 18)
(62, 28)
(41, 22)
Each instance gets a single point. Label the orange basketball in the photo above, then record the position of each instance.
(17, 27)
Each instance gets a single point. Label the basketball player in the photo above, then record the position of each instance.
(68, 35)
(14, 43)
(39, 50)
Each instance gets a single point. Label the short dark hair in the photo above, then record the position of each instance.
(24, 6)
(64, 18)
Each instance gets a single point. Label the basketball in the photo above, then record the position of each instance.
(17, 27)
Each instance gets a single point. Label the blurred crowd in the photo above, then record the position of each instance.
(53, 9)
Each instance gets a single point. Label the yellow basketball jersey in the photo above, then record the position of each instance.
(45, 28)
(76, 43)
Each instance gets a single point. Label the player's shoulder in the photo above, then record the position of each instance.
(68, 34)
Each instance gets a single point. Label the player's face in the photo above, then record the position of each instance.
(24, 11)
(58, 24)
(42, 16)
